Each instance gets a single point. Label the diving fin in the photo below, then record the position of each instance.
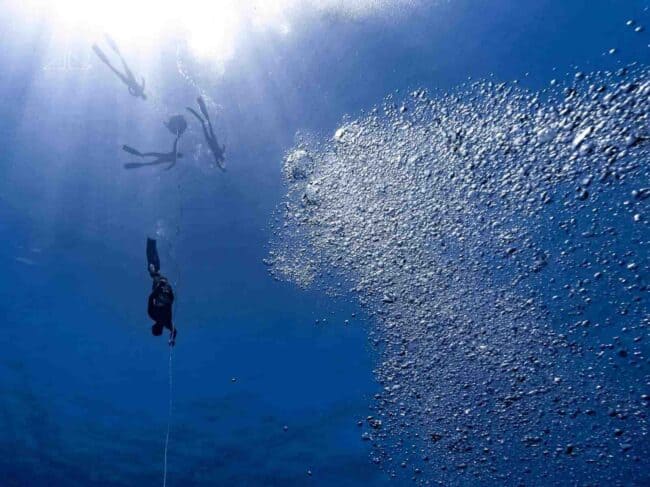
(135, 165)
(193, 112)
(112, 44)
(100, 54)
(152, 254)
(204, 109)
(131, 150)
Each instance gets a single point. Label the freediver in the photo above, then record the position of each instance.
(135, 89)
(161, 299)
(217, 150)
(161, 157)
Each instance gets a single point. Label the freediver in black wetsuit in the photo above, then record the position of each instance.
(161, 157)
(161, 299)
(135, 89)
(217, 150)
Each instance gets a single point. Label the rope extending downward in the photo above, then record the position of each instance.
(169, 411)
(172, 338)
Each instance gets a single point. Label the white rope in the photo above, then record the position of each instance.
(169, 411)
(172, 339)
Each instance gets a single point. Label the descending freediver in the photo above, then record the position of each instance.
(217, 150)
(135, 89)
(161, 157)
(161, 299)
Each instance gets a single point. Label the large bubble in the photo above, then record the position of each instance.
(499, 239)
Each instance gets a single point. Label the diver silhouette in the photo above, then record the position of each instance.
(217, 150)
(161, 157)
(161, 299)
(135, 89)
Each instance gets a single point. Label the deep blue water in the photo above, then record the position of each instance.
(84, 385)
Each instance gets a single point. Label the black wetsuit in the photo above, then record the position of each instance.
(161, 299)
(159, 308)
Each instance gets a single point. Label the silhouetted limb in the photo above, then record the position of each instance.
(211, 139)
(127, 78)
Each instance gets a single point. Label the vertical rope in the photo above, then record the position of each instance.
(170, 405)
(172, 333)
(169, 411)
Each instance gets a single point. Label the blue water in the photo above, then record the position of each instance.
(84, 385)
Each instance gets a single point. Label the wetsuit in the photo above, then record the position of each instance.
(161, 299)
(160, 305)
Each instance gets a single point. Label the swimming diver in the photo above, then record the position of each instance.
(127, 78)
(161, 299)
(217, 150)
(161, 157)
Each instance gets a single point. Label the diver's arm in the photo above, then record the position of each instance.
(150, 305)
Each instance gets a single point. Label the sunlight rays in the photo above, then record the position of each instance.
(212, 29)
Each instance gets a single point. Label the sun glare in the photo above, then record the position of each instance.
(212, 29)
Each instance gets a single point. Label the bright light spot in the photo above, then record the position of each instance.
(212, 28)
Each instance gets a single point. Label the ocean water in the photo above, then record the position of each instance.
(425, 264)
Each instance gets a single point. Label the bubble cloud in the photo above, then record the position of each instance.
(499, 240)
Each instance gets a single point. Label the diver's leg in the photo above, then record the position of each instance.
(137, 165)
(128, 73)
(211, 129)
(201, 121)
(131, 150)
(193, 112)
(112, 44)
(156, 329)
(104, 58)
(152, 254)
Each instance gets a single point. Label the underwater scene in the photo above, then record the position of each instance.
(325, 243)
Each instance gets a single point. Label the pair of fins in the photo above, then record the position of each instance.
(135, 152)
(135, 165)
(202, 107)
(112, 44)
(217, 151)
(135, 89)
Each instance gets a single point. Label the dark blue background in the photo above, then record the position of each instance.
(83, 383)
